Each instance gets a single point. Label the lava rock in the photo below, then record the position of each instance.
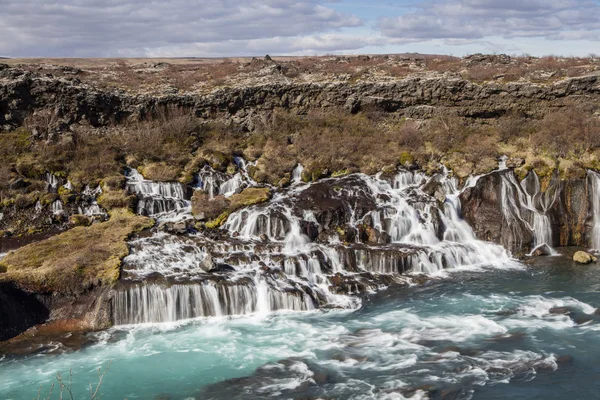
(222, 268)
(560, 310)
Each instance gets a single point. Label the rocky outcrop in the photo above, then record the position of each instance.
(418, 96)
(497, 209)
(482, 209)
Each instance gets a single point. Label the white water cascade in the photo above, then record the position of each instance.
(156, 198)
(525, 203)
(313, 245)
(57, 207)
(594, 182)
(297, 174)
(218, 183)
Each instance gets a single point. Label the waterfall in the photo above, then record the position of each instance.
(297, 174)
(52, 183)
(155, 303)
(57, 207)
(68, 186)
(217, 183)
(594, 182)
(313, 245)
(157, 198)
(525, 203)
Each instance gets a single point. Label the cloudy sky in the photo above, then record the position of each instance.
(203, 28)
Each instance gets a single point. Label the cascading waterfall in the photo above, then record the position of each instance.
(525, 203)
(594, 182)
(52, 183)
(218, 183)
(156, 198)
(297, 174)
(287, 254)
(57, 207)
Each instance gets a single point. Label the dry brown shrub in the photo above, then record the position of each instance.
(484, 73)
(168, 135)
(446, 133)
(410, 137)
(570, 130)
(513, 125)
(443, 64)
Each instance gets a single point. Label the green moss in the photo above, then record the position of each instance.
(406, 158)
(32, 230)
(231, 169)
(77, 259)
(220, 220)
(63, 191)
(248, 197)
(203, 208)
(340, 173)
(48, 198)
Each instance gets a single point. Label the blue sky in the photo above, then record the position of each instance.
(213, 28)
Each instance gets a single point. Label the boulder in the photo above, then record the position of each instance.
(542, 250)
(560, 310)
(207, 264)
(205, 208)
(435, 189)
(583, 257)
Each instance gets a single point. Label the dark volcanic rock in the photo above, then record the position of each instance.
(19, 311)
(482, 209)
(23, 92)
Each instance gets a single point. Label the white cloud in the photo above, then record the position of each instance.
(477, 19)
(136, 27)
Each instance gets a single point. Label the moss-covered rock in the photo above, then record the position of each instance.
(76, 260)
(111, 199)
(220, 220)
(582, 257)
(205, 208)
(217, 210)
(160, 172)
(249, 197)
(79, 220)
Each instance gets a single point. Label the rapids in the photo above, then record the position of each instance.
(483, 334)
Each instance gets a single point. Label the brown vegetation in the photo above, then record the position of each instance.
(75, 260)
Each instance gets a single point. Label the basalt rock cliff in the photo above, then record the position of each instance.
(23, 92)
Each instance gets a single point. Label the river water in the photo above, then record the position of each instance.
(485, 333)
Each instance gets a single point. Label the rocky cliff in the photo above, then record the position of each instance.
(423, 96)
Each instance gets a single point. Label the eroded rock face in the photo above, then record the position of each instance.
(22, 92)
(499, 209)
(482, 209)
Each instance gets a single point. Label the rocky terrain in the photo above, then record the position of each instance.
(213, 153)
